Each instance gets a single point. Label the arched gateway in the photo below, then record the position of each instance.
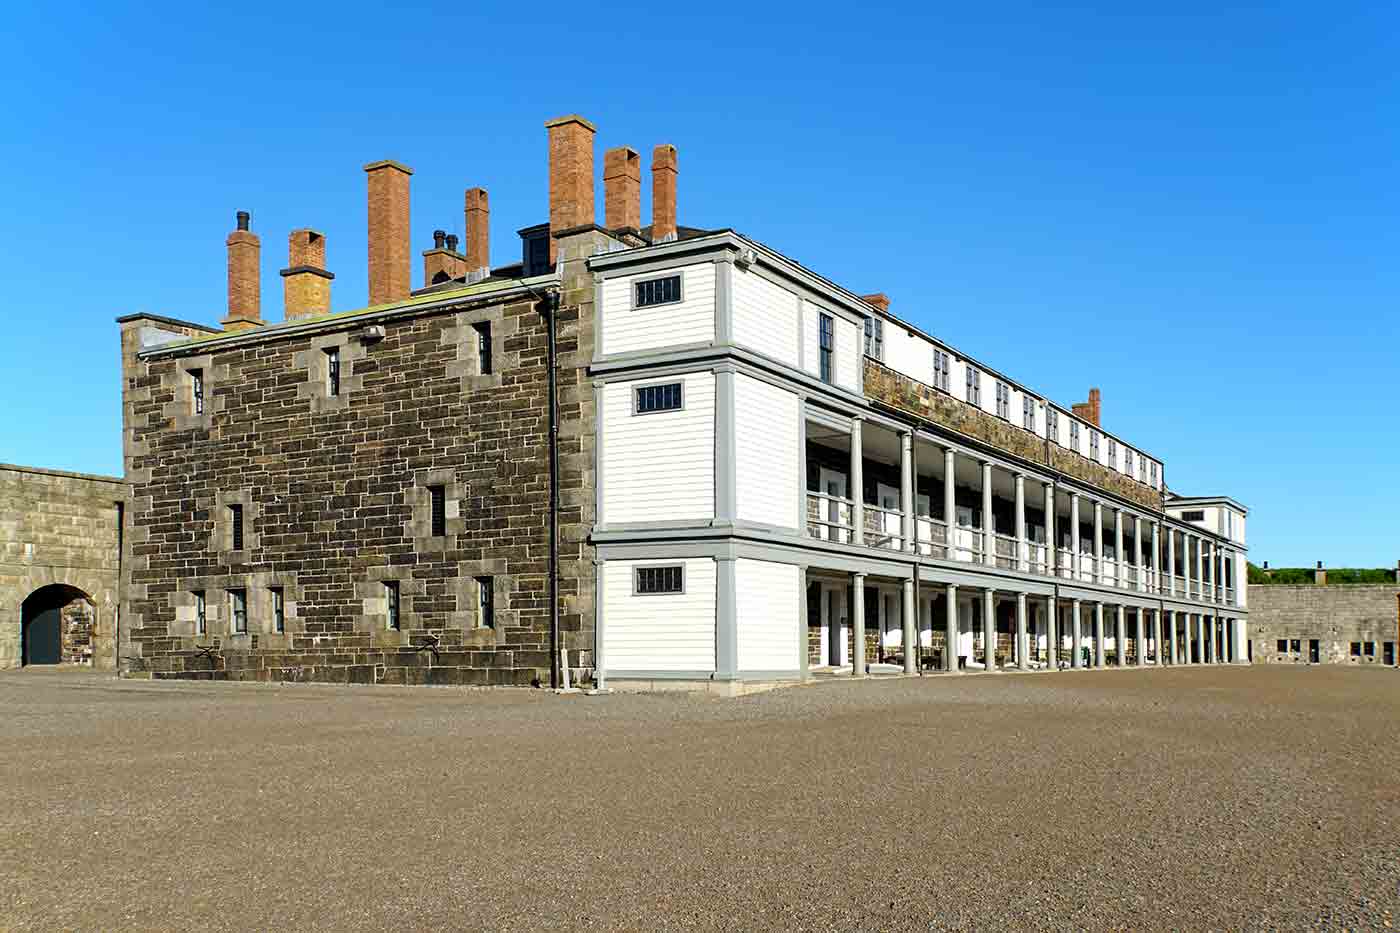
(57, 626)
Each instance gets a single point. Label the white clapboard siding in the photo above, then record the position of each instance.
(767, 614)
(850, 355)
(765, 316)
(670, 632)
(908, 354)
(689, 321)
(659, 466)
(765, 454)
(811, 339)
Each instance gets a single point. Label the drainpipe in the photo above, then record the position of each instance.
(551, 307)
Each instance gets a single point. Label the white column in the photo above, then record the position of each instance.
(1074, 536)
(857, 483)
(1118, 546)
(1078, 635)
(1157, 557)
(1098, 542)
(1170, 582)
(1098, 635)
(1052, 566)
(1200, 564)
(1141, 637)
(950, 628)
(988, 530)
(989, 630)
(1021, 546)
(1120, 639)
(906, 486)
(857, 614)
(1052, 635)
(949, 500)
(1157, 637)
(1242, 638)
(910, 619)
(1022, 655)
(1168, 620)
(1137, 553)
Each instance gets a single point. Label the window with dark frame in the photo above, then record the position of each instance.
(941, 370)
(437, 500)
(1356, 649)
(665, 396)
(1283, 646)
(1194, 515)
(333, 370)
(1112, 452)
(875, 338)
(391, 604)
(1052, 424)
(1296, 645)
(658, 291)
(1370, 649)
(197, 390)
(660, 580)
(238, 604)
(485, 602)
(1127, 461)
(279, 610)
(483, 347)
(974, 386)
(201, 616)
(1003, 401)
(1027, 412)
(1074, 436)
(235, 524)
(827, 338)
(1094, 445)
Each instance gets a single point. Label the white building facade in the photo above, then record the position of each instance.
(792, 480)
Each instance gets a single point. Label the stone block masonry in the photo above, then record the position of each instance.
(1336, 617)
(338, 499)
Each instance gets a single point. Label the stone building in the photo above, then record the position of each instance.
(60, 539)
(1325, 624)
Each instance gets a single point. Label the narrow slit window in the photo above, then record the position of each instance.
(235, 524)
(238, 607)
(201, 614)
(662, 291)
(437, 496)
(660, 580)
(483, 347)
(485, 602)
(279, 610)
(333, 371)
(391, 604)
(664, 397)
(197, 390)
(827, 328)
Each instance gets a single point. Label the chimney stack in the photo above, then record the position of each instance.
(442, 263)
(663, 193)
(571, 202)
(244, 289)
(477, 209)
(622, 188)
(1320, 575)
(306, 285)
(879, 300)
(1091, 410)
(390, 262)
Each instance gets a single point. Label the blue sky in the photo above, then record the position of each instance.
(1194, 209)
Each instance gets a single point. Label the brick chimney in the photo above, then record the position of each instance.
(390, 260)
(1090, 411)
(571, 202)
(622, 188)
(1320, 575)
(477, 208)
(879, 300)
(306, 285)
(244, 289)
(663, 193)
(442, 263)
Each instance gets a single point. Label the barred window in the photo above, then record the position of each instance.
(437, 496)
(657, 580)
(235, 522)
(333, 371)
(658, 291)
(663, 397)
(201, 616)
(485, 602)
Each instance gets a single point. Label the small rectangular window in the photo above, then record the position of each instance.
(827, 340)
(1283, 646)
(1074, 436)
(235, 524)
(941, 370)
(391, 603)
(664, 397)
(1197, 515)
(197, 390)
(657, 580)
(1052, 424)
(1094, 446)
(333, 370)
(1296, 645)
(1112, 453)
(1356, 649)
(201, 616)
(1370, 649)
(1003, 401)
(974, 386)
(279, 610)
(483, 347)
(875, 338)
(659, 291)
(485, 602)
(1027, 412)
(1127, 461)
(437, 497)
(238, 606)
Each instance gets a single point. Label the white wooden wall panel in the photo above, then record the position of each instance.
(659, 632)
(850, 355)
(908, 354)
(767, 460)
(765, 316)
(692, 320)
(811, 340)
(659, 466)
(767, 614)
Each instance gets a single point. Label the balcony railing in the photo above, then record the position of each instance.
(967, 544)
(1005, 554)
(829, 518)
(1130, 576)
(884, 528)
(931, 536)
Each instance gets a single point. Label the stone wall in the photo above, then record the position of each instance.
(1336, 616)
(59, 528)
(336, 502)
(896, 390)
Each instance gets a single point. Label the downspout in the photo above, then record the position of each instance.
(551, 305)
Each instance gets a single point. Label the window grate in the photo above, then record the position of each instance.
(437, 496)
(660, 580)
(235, 519)
(659, 291)
(663, 397)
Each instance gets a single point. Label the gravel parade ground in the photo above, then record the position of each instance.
(1179, 799)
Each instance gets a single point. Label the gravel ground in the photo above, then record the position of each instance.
(1202, 798)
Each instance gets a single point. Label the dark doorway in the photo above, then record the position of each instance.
(1313, 651)
(1390, 653)
(41, 624)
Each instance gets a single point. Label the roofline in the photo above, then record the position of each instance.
(144, 316)
(68, 474)
(1206, 500)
